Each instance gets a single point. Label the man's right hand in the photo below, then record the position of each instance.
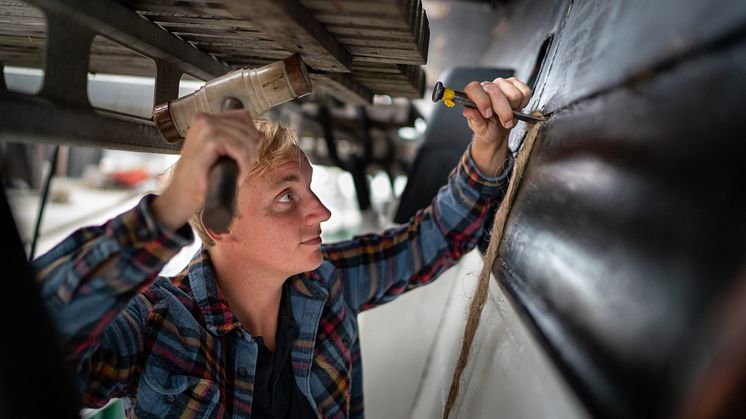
(210, 136)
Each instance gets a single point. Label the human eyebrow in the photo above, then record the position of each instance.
(287, 179)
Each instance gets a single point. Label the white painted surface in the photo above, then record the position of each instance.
(410, 347)
(395, 340)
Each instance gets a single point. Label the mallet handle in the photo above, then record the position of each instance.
(220, 202)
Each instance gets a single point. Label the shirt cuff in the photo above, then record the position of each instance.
(477, 180)
(137, 228)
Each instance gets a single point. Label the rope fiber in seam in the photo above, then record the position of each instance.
(480, 295)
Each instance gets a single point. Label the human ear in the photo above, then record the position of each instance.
(219, 237)
(215, 236)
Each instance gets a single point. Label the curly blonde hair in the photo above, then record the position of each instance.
(279, 145)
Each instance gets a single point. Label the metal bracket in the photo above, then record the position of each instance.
(66, 60)
(167, 80)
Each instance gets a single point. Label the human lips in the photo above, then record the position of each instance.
(314, 241)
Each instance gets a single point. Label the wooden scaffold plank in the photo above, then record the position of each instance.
(290, 25)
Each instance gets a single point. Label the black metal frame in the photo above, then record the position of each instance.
(34, 119)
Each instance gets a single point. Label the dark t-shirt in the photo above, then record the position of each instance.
(276, 395)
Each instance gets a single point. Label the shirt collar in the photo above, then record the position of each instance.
(309, 284)
(219, 319)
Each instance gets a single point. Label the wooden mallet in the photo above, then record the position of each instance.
(256, 90)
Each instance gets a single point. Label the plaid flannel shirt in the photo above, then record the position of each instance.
(172, 347)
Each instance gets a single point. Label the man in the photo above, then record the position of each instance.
(263, 322)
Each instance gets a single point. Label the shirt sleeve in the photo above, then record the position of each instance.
(89, 278)
(376, 268)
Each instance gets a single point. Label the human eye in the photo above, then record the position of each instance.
(285, 197)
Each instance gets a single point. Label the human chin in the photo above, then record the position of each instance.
(306, 259)
(315, 260)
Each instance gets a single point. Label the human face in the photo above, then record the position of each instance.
(278, 227)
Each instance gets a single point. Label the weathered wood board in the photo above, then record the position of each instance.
(332, 36)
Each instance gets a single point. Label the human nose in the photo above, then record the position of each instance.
(318, 212)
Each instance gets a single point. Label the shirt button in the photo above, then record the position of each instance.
(242, 372)
(170, 398)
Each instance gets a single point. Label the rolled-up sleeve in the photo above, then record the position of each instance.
(90, 277)
(376, 268)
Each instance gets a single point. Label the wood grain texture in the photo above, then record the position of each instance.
(379, 38)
